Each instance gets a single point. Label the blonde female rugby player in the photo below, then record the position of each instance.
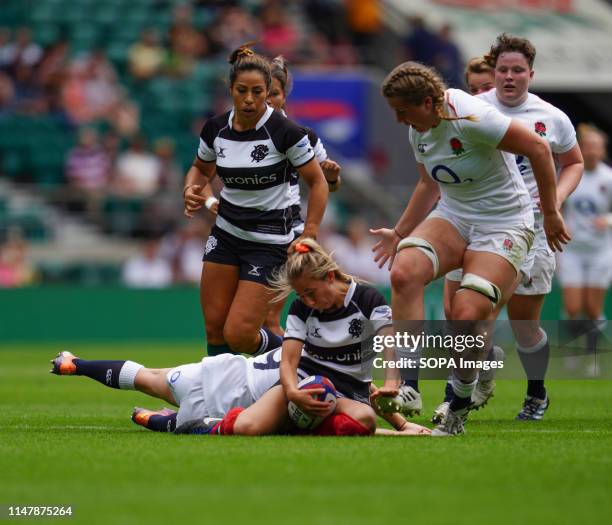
(483, 222)
(326, 327)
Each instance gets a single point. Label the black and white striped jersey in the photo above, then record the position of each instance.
(255, 167)
(320, 155)
(334, 338)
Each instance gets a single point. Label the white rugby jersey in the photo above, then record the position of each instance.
(478, 183)
(334, 339)
(547, 121)
(230, 380)
(255, 167)
(592, 197)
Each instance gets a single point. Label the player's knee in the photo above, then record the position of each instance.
(246, 426)
(464, 308)
(366, 416)
(406, 277)
(214, 329)
(240, 337)
(592, 311)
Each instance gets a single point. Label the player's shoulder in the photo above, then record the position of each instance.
(459, 100)
(605, 171)
(278, 121)
(488, 96)
(214, 124)
(536, 102)
(300, 310)
(367, 297)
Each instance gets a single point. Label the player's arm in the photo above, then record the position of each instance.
(197, 181)
(571, 168)
(426, 194)
(522, 141)
(290, 358)
(318, 192)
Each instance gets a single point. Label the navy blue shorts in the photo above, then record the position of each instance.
(257, 261)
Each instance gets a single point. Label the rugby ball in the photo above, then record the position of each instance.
(300, 418)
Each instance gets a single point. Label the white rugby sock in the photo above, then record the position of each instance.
(127, 375)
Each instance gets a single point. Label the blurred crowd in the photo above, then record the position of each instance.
(125, 179)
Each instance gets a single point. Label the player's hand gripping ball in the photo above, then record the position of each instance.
(300, 418)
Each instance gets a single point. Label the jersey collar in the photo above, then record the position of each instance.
(350, 292)
(264, 118)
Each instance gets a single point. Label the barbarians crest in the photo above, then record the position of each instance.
(211, 244)
(259, 153)
(356, 328)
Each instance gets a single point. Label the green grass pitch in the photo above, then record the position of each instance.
(68, 440)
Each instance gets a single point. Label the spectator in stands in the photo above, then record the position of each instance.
(15, 270)
(5, 46)
(146, 57)
(421, 43)
(183, 249)
(138, 171)
(51, 72)
(234, 26)
(88, 172)
(88, 166)
(448, 60)
(147, 270)
(91, 90)
(365, 23)
(187, 43)
(354, 252)
(21, 54)
(7, 94)
(279, 35)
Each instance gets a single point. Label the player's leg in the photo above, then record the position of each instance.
(432, 249)
(573, 301)
(218, 287)
(244, 330)
(350, 418)
(266, 416)
(272, 321)
(124, 375)
(533, 349)
(452, 282)
(594, 301)
(488, 281)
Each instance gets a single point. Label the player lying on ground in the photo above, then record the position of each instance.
(210, 388)
(326, 327)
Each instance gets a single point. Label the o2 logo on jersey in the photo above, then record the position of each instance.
(444, 175)
(585, 206)
(519, 163)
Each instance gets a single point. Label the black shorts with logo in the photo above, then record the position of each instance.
(257, 261)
